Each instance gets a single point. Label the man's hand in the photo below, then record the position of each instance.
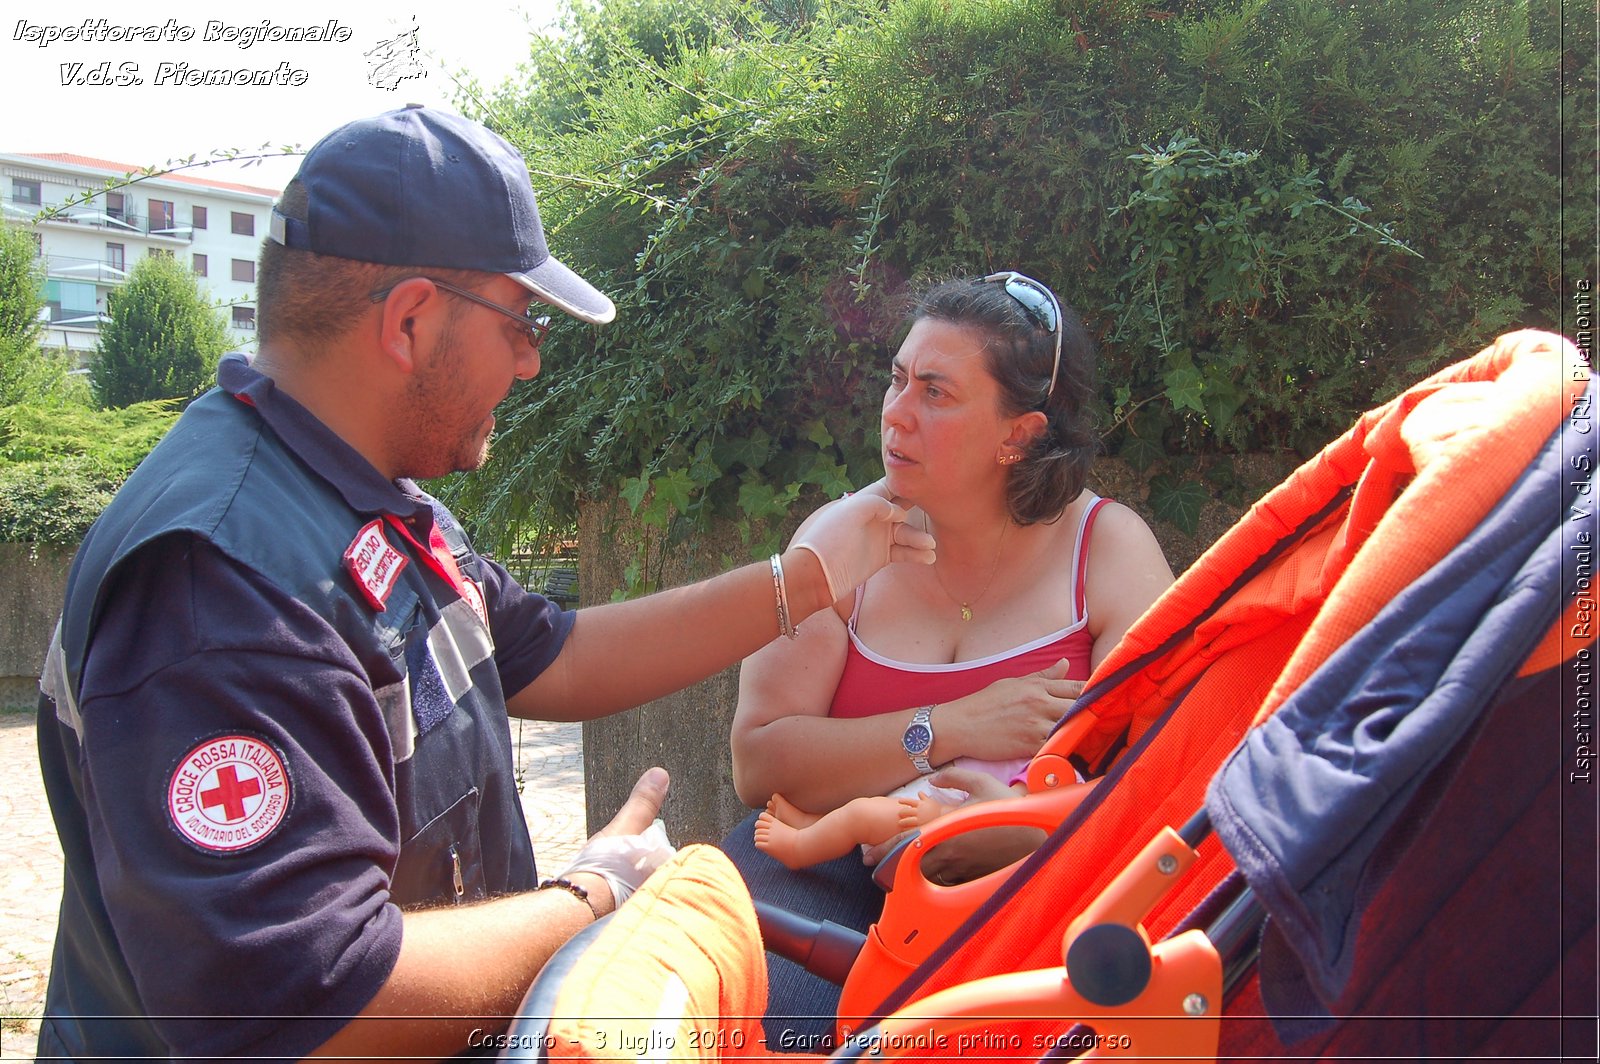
(858, 535)
(621, 855)
(979, 787)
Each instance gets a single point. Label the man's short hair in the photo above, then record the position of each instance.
(309, 300)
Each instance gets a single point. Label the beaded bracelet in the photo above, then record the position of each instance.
(571, 888)
(781, 590)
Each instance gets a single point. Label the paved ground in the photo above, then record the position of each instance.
(550, 756)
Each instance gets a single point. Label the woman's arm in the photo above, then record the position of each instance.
(1127, 573)
(784, 742)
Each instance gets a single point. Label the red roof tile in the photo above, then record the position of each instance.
(128, 168)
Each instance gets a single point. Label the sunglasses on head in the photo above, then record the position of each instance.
(1042, 308)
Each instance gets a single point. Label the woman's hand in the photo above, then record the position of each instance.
(974, 853)
(1010, 718)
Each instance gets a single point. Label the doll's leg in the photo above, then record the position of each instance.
(789, 813)
(864, 820)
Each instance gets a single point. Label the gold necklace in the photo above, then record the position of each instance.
(966, 607)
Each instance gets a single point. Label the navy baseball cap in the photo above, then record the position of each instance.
(420, 187)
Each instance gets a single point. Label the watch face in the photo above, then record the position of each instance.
(918, 738)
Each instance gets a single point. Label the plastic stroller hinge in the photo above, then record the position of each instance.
(1136, 1000)
(926, 913)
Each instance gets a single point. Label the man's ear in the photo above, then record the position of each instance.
(399, 318)
(1024, 430)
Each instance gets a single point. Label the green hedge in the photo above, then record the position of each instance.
(1272, 215)
(60, 463)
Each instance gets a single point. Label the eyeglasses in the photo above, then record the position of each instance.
(538, 325)
(1042, 308)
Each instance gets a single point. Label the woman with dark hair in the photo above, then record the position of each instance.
(986, 432)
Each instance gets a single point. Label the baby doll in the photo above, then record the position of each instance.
(799, 838)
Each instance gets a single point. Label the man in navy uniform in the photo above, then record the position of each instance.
(274, 725)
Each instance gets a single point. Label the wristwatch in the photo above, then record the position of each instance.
(918, 738)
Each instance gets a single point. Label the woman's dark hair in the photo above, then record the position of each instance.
(1020, 353)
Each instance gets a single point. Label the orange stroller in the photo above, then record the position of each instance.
(1342, 799)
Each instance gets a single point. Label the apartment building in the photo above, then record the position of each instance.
(91, 238)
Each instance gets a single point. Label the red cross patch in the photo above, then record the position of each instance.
(229, 794)
(374, 563)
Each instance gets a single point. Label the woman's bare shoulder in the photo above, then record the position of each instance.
(1124, 543)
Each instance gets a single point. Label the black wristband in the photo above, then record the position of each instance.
(571, 888)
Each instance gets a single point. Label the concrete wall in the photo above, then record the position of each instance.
(687, 732)
(32, 581)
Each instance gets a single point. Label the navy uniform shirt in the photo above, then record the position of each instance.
(260, 753)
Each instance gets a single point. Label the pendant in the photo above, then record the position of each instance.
(966, 612)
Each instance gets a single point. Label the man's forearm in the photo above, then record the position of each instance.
(460, 970)
(623, 654)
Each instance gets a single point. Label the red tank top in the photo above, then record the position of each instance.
(873, 684)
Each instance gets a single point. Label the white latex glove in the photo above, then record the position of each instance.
(624, 861)
(858, 535)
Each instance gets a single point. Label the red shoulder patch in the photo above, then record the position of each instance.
(374, 564)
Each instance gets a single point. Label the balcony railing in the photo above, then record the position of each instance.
(76, 319)
(96, 215)
(72, 268)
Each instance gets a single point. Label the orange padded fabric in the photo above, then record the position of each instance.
(677, 974)
(1421, 470)
(1462, 437)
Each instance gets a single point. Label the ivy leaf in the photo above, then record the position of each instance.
(1178, 502)
(1139, 452)
(757, 499)
(1222, 401)
(827, 474)
(633, 492)
(1185, 386)
(675, 488)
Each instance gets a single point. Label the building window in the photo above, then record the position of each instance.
(244, 319)
(199, 265)
(244, 224)
(116, 256)
(161, 215)
(199, 219)
(160, 253)
(244, 270)
(24, 191)
(116, 205)
(70, 299)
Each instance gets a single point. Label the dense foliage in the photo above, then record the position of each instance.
(60, 459)
(21, 287)
(1272, 215)
(61, 462)
(25, 371)
(163, 340)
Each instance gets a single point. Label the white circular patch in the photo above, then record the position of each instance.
(229, 793)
